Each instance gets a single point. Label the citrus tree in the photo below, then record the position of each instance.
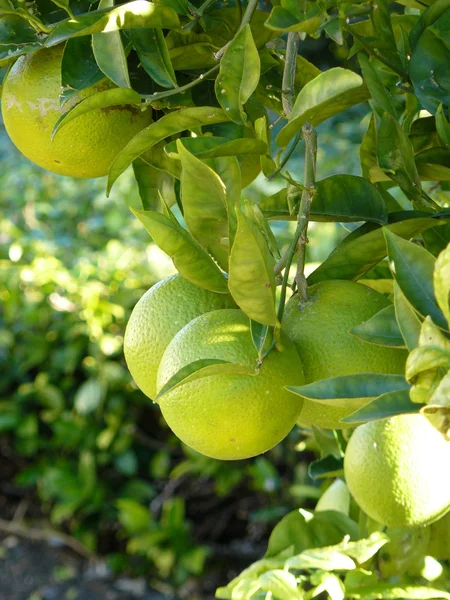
(200, 99)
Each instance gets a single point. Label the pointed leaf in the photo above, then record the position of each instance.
(382, 329)
(139, 13)
(328, 466)
(412, 267)
(152, 183)
(327, 558)
(204, 201)
(426, 359)
(368, 154)
(281, 19)
(113, 97)
(363, 550)
(442, 125)
(170, 124)
(387, 405)
(251, 276)
(396, 156)
(441, 280)
(238, 75)
(381, 96)
(281, 584)
(326, 95)
(212, 147)
(365, 247)
(407, 319)
(152, 51)
(78, 67)
(205, 367)
(262, 337)
(190, 259)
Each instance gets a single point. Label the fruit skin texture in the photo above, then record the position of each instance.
(160, 314)
(396, 470)
(320, 332)
(229, 416)
(439, 545)
(83, 148)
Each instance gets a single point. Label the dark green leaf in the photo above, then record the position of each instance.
(387, 405)
(113, 97)
(131, 15)
(382, 329)
(251, 276)
(170, 124)
(188, 256)
(407, 319)
(384, 35)
(281, 19)
(17, 37)
(366, 246)
(434, 163)
(205, 367)
(378, 91)
(326, 95)
(190, 50)
(436, 239)
(203, 195)
(152, 51)
(368, 154)
(396, 156)
(442, 125)
(78, 67)
(412, 267)
(213, 147)
(238, 75)
(328, 466)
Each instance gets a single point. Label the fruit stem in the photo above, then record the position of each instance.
(310, 137)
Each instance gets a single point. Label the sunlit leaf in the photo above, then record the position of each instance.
(441, 279)
(387, 405)
(407, 319)
(382, 329)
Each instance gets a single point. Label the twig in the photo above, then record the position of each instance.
(182, 88)
(310, 136)
(285, 160)
(251, 7)
(289, 71)
(44, 535)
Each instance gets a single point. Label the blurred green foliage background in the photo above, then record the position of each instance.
(77, 438)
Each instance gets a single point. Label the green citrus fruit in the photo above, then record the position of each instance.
(439, 545)
(86, 146)
(161, 312)
(394, 470)
(320, 332)
(229, 415)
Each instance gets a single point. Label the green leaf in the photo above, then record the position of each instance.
(387, 405)
(281, 584)
(152, 183)
(262, 337)
(441, 395)
(327, 466)
(412, 267)
(251, 275)
(368, 154)
(326, 95)
(385, 41)
(441, 280)
(327, 559)
(363, 550)
(382, 329)
(281, 19)
(113, 97)
(396, 156)
(89, 396)
(407, 319)
(394, 591)
(205, 367)
(380, 95)
(189, 50)
(238, 75)
(253, 212)
(110, 54)
(170, 124)
(153, 53)
(204, 199)
(428, 67)
(131, 15)
(301, 530)
(78, 67)
(188, 256)
(214, 147)
(17, 36)
(434, 163)
(426, 359)
(133, 516)
(365, 247)
(442, 125)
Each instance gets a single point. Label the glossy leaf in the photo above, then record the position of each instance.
(251, 276)
(190, 50)
(442, 125)
(441, 280)
(205, 367)
(348, 387)
(396, 156)
(325, 467)
(382, 329)
(407, 319)
(436, 239)
(428, 67)
(434, 163)
(188, 256)
(170, 124)
(368, 154)
(326, 95)
(281, 584)
(366, 246)
(213, 147)
(153, 183)
(378, 91)
(113, 97)
(78, 67)
(281, 19)
(203, 195)
(238, 75)
(139, 13)
(262, 337)
(255, 215)
(153, 54)
(110, 54)
(412, 267)
(396, 402)
(394, 591)
(427, 358)
(385, 41)
(327, 558)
